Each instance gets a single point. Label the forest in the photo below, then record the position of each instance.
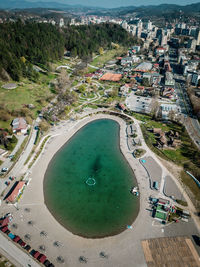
(25, 44)
(86, 39)
(22, 45)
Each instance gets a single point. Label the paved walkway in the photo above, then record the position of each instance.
(125, 249)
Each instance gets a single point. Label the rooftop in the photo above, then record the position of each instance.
(111, 77)
(144, 66)
(15, 191)
(168, 251)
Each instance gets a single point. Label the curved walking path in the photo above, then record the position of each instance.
(123, 249)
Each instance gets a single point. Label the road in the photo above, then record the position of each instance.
(191, 123)
(8, 162)
(19, 257)
(17, 170)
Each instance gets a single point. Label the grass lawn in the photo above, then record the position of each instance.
(179, 155)
(75, 83)
(175, 155)
(27, 92)
(140, 117)
(58, 63)
(108, 55)
(189, 182)
(90, 70)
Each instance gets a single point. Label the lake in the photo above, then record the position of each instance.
(87, 183)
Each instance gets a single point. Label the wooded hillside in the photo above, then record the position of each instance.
(24, 44)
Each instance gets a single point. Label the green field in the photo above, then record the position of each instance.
(108, 55)
(179, 155)
(39, 94)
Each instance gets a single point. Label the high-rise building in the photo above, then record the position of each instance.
(149, 25)
(198, 38)
(61, 24)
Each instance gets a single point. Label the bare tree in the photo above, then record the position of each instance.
(42, 248)
(102, 254)
(43, 233)
(82, 259)
(155, 105)
(27, 237)
(31, 223)
(14, 225)
(27, 209)
(56, 244)
(60, 259)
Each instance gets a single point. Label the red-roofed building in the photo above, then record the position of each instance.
(114, 77)
(141, 88)
(121, 106)
(15, 191)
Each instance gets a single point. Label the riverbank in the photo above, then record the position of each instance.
(123, 249)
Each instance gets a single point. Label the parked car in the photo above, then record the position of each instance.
(33, 251)
(27, 248)
(4, 169)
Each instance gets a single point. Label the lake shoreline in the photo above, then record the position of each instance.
(110, 140)
(43, 220)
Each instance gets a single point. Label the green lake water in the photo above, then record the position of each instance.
(104, 207)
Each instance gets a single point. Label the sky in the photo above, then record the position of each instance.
(118, 3)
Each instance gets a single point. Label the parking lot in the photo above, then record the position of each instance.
(138, 103)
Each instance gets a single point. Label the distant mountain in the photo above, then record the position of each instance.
(22, 4)
(121, 11)
(159, 9)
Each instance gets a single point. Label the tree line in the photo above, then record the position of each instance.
(24, 44)
(84, 40)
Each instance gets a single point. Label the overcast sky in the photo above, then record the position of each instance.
(118, 3)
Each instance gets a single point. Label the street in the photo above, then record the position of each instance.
(192, 124)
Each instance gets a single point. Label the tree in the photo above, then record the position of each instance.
(23, 59)
(171, 115)
(88, 80)
(44, 126)
(101, 51)
(4, 115)
(63, 80)
(67, 110)
(145, 82)
(155, 105)
(82, 88)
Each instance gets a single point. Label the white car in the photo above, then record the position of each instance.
(4, 169)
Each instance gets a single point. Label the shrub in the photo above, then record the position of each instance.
(4, 115)
(13, 140)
